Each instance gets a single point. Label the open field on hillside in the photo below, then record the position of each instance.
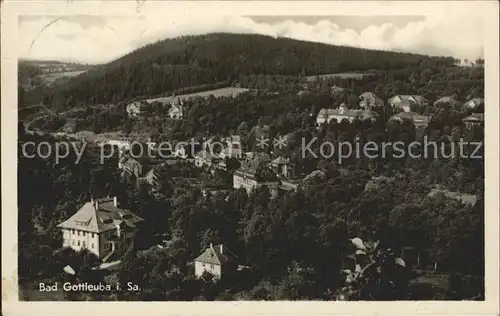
(50, 78)
(346, 75)
(217, 93)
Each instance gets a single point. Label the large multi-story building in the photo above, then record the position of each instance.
(255, 173)
(343, 113)
(102, 227)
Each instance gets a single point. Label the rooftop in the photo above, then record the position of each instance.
(100, 215)
(215, 255)
(474, 117)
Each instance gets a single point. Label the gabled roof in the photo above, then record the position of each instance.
(101, 217)
(175, 108)
(474, 117)
(216, 255)
(129, 161)
(474, 102)
(405, 98)
(257, 169)
(445, 99)
(279, 161)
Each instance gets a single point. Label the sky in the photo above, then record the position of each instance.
(100, 39)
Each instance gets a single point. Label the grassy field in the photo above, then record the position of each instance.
(217, 93)
(50, 78)
(346, 75)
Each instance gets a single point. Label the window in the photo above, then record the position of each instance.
(92, 235)
(92, 245)
(212, 266)
(73, 242)
(73, 231)
(78, 233)
(83, 233)
(78, 243)
(83, 245)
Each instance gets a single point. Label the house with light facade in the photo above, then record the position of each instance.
(216, 260)
(256, 173)
(369, 100)
(101, 226)
(176, 110)
(342, 112)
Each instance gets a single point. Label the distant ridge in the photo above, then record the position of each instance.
(186, 61)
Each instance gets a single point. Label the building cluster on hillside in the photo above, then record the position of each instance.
(408, 106)
(106, 229)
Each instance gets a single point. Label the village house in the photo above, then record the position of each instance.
(233, 149)
(180, 151)
(102, 227)
(327, 115)
(369, 100)
(176, 110)
(130, 166)
(418, 120)
(475, 119)
(216, 260)
(475, 103)
(256, 173)
(137, 108)
(407, 102)
(282, 167)
(151, 178)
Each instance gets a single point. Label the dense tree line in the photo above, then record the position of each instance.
(208, 59)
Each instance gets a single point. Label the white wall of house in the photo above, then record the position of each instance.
(78, 240)
(201, 267)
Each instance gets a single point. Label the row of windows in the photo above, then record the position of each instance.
(211, 266)
(83, 244)
(78, 232)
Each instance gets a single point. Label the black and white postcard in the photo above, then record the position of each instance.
(250, 157)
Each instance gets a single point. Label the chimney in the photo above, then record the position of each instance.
(96, 204)
(221, 249)
(211, 246)
(92, 200)
(115, 201)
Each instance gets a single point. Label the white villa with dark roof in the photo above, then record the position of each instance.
(102, 227)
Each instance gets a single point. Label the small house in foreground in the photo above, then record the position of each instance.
(216, 260)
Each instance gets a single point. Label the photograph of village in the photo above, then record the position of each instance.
(214, 166)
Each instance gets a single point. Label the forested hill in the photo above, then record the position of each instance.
(195, 60)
